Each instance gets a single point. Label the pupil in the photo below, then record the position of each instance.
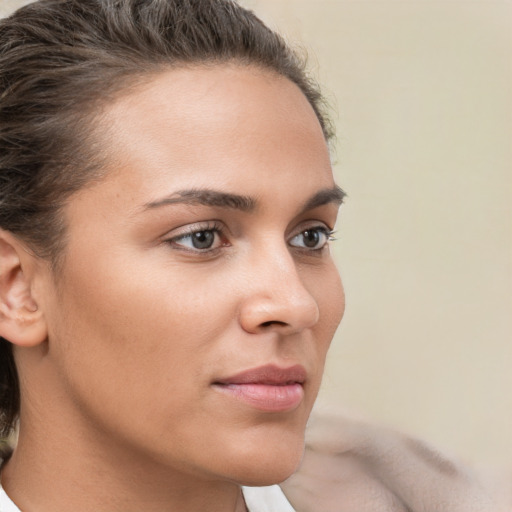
(311, 238)
(202, 239)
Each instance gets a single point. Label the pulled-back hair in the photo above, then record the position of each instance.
(60, 61)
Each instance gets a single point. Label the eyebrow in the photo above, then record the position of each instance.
(209, 197)
(334, 195)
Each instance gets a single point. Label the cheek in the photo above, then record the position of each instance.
(137, 337)
(330, 298)
(147, 316)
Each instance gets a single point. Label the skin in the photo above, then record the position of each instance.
(123, 348)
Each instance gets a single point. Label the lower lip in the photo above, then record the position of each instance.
(266, 397)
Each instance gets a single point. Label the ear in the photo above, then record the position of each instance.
(21, 321)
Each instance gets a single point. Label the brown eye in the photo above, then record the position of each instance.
(313, 238)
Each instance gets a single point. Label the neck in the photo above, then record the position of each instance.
(58, 473)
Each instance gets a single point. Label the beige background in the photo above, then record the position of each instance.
(422, 96)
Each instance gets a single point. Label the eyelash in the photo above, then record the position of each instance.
(219, 231)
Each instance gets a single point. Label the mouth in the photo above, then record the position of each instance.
(267, 388)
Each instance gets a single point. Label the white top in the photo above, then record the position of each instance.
(258, 499)
(6, 505)
(263, 499)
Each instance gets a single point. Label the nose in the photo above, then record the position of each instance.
(276, 298)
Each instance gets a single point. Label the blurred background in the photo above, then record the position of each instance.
(421, 93)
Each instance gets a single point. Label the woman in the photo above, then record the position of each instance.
(167, 293)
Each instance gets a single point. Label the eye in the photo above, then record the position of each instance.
(200, 240)
(312, 238)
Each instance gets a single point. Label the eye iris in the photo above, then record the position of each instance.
(311, 238)
(203, 239)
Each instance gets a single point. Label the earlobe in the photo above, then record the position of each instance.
(21, 321)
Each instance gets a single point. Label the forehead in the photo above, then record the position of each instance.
(212, 93)
(226, 125)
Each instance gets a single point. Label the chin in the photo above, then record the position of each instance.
(269, 460)
(269, 474)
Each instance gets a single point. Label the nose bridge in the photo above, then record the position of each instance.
(277, 296)
(283, 277)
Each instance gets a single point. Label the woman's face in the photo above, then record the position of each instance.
(191, 318)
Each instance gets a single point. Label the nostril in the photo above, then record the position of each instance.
(271, 323)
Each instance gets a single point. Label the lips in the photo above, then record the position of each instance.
(267, 388)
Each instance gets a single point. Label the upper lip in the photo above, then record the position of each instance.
(269, 374)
